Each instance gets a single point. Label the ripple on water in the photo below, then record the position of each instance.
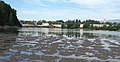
(53, 48)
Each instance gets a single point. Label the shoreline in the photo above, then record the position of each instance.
(9, 29)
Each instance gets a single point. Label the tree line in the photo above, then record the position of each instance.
(75, 24)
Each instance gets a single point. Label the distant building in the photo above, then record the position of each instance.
(81, 25)
(57, 25)
(100, 25)
(97, 25)
(45, 24)
(27, 25)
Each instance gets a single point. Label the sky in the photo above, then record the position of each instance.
(66, 9)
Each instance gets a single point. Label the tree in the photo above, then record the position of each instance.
(8, 15)
(60, 21)
(63, 25)
(71, 24)
(39, 23)
(118, 26)
(91, 26)
(86, 25)
(104, 27)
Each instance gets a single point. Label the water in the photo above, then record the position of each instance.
(63, 45)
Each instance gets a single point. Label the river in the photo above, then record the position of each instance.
(63, 45)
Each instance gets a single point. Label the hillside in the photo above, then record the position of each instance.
(8, 15)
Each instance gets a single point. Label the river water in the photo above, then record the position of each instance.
(63, 45)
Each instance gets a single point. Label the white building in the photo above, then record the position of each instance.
(100, 25)
(81, 25)
(57, 25)
(27, 25)
(45, 24)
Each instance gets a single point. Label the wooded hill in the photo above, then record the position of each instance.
(8, 15)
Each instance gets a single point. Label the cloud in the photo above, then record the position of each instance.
(87, 2)
(93, 9)
(94, 4)
(43, 14)
(35, 2)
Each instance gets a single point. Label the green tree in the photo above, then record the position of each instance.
(118, 26)
(63, 25)
(8, 15)
(39, 23)
(86, 25)
(91, 26)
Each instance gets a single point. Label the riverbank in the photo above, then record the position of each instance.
(9, 29)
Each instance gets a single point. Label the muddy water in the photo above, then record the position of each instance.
(62, 45)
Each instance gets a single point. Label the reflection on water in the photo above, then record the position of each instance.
(77, 33)
(62, 45)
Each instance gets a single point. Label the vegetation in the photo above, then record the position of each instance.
(29, 22)
(71, 24)
(9, 29)
(75, 24)
(8, 15)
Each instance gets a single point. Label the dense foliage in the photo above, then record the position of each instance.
(72, 24)
(8, 15)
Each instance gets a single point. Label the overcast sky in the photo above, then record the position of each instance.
(66, 9)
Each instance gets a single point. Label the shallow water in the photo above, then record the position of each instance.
(63, 45)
